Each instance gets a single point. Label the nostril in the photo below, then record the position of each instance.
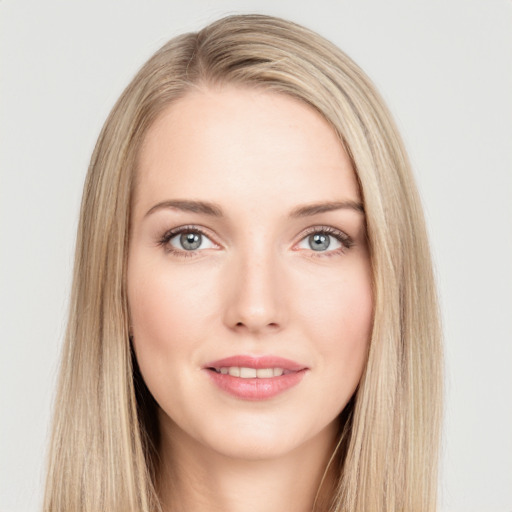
(272, 325)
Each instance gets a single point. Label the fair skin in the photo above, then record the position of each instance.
(257, 275)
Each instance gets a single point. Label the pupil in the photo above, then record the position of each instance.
(319, 242)
(190, 241)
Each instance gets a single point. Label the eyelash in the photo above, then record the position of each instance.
(345, 240)
(169, 235)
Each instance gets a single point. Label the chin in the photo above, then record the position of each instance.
(253, 445)
(252, 439)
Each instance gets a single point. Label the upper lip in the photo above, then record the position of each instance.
(257, 362)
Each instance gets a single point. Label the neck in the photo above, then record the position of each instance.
(195, 478)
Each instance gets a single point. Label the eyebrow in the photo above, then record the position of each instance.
(313, 209)
(189, 206)
(215, 210)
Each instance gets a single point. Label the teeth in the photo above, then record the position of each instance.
(250, 373)
(264, 373)
(234, 371)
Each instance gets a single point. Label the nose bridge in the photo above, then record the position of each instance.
(254, 297)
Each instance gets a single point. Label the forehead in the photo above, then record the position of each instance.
(238, 144)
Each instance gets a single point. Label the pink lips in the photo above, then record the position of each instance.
(256, 388)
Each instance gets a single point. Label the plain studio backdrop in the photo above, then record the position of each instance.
(445, 69)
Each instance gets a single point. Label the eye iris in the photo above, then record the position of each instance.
(190, 241)
(319, 242)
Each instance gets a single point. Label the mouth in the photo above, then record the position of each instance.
(255, 378)
(244, 372)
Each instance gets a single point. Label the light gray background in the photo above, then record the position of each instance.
(445, 68)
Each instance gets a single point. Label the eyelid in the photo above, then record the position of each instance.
(189, 228)
(337, 233)
(346, 241)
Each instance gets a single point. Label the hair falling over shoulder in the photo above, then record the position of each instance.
(104, 447)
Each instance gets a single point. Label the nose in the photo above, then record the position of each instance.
(255, 294)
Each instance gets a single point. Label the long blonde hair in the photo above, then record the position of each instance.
(103, 448)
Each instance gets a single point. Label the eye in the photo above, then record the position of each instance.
(186, 239)
(325, 240)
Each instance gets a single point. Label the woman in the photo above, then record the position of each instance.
(254, 322)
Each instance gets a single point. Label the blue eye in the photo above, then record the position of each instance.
(325, 239)
(184, 239)
(190, 241)
(319, 241)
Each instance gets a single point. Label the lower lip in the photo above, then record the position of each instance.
(256, 389)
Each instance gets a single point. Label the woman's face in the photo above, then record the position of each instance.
(249, 280)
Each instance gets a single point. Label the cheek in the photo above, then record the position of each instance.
(164, 311)
(339, 317)
(166, 303)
